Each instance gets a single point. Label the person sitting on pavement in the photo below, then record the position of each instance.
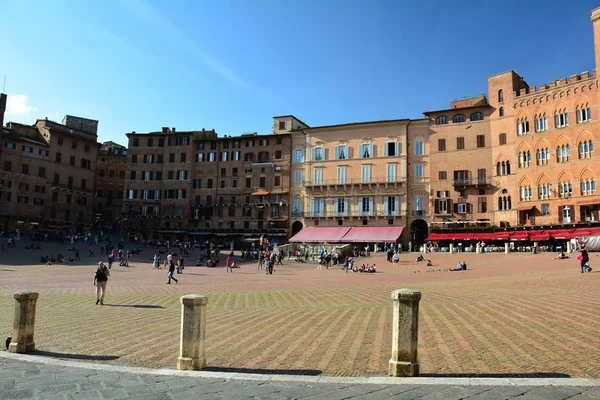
(561, 256)
(420, 258)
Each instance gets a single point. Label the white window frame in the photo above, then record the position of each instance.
(419, 148)
(318, 154)
(299, 156)
(396, 149)
(147, 175)
(342, 152)
(366, 151)
(461, 208)
(561, 120)
(341, 207)
(419, 170)
(298, 176)
(318, 176)
(391, 172)
(318, 207)
(341, 175)
(365, 206)
(584, 115)
(366, 173)
(200, 157)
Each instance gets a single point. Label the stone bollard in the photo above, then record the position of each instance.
(569, 247)
(451, 248)
(23, 325)
(424, 248)
(405, 335)
(193, 332)
(478, 248)
(506, 248)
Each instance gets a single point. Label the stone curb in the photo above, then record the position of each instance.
(308, 379)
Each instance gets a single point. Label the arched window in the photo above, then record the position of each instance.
(588, 187)
(459, 118)
(500, 96)
(441, 120)
(501, 111)
(586, 148)
(477, 116)
(502, 138)
(508, 203)
(498, 168)
(508, 168)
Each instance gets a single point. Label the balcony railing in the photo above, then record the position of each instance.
(418, 213)
(471, 182)
(314, 214)
(353, 181)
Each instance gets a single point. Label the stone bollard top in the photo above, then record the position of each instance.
(26, 295)
(194, 300)
(406, 295)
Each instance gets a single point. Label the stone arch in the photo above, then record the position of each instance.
(542, 179)
(542, 143)
(584, 135)
(582, 99)
(558, 107)
(501, 157)
(296, 227)
(586, 173)
(562, 139)
(563, 176)
(523, 146)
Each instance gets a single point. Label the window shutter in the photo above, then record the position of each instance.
(579, 116)
(346, 210)
(396, 205)
(469, 208)
(360, 208)
(557, 120)
(385, 205)
(589, 114)
(560, 215)
(455, 208)
(566, 118)
(371, 211)
(397, 148)
(337, 152)
(385, 149)
(437, 206)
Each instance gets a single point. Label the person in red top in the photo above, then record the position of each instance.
(228, 266)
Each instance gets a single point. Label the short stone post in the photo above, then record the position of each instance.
(506, 248)
(405, 333)
(568, 247)
(193, 332)
(451, 248)
(424, 248)
(478, 248)
(23, 324)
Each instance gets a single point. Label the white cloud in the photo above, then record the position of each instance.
(18, 106)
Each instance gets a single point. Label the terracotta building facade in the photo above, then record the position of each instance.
(109, 183)
(196, 185)
(47, 176)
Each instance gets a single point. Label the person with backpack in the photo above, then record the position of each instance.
(100, 280)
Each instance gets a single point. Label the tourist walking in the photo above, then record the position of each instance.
(91, 250)
(171, 271)
(584, 259)
(228, 265)
(77, 258)
(100, 280)
(110, 261)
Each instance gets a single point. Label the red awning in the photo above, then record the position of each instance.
(433, 237)
(460, 236)
(520, 235)
(483, 236)
(501, 236)
(539, 236)
(320, 235)
(562, 233)
(374, 234)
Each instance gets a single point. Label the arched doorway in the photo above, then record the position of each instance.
(296, 227)
(418, 231)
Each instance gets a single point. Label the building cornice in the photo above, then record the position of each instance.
(357, 126)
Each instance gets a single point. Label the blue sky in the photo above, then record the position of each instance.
(231, 65)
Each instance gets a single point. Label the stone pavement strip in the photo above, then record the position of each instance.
(34, 377)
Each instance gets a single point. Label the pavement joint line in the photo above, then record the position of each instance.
(378, 380)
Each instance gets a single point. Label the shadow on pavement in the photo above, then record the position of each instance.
(73, 356)
(309, 372)
(133, 305)
(531, 375)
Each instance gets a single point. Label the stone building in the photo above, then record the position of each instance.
(182, 185)
(47, 175)
(109, 183)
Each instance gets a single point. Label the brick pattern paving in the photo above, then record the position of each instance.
(507, 315)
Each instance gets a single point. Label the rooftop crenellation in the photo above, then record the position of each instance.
(555, 84)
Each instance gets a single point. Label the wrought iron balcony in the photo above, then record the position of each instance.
(471, 182)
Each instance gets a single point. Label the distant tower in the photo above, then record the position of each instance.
(596, 24)
(2, 108)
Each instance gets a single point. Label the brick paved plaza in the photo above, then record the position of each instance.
(515, 315)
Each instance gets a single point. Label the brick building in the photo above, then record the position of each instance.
(182, 185)
(523, 158)
(47, 175)
(109, 182)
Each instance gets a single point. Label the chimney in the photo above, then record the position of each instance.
(2, 108)
(173, 129)
(165, 129)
